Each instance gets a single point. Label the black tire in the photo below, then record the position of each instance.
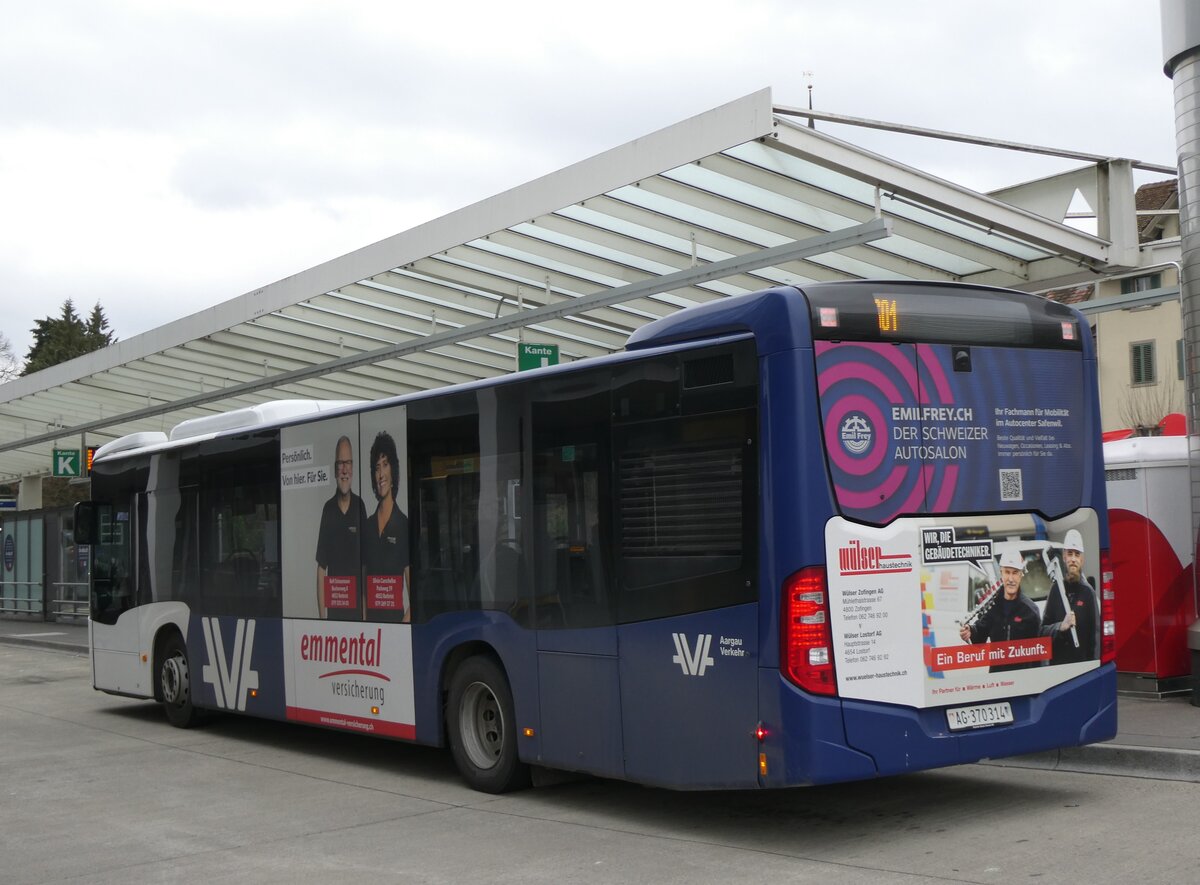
(482, 728)
(175, 684)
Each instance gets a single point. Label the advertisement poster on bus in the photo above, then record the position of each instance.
(344, 487)
(933, 428)
(350, 676)
(347, 644)
(930, 612)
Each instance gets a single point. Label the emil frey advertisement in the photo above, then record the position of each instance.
(928, 612)
(907, 431)
(347, 643)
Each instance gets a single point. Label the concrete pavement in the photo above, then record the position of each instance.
(1155, 738)
(65, 636)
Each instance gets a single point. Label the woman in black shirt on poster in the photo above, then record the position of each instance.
(385, 542)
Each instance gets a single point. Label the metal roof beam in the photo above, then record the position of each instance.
(930, 191)
(1130, 301)
(906, 129)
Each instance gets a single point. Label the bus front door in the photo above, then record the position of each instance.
(115, 642)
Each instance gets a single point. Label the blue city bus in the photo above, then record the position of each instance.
(808, 535)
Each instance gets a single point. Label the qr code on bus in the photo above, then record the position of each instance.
(1010, 485)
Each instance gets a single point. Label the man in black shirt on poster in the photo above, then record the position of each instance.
(1010, 614)
(342, 518)
(1079, 611)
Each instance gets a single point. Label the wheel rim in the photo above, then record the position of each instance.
(175, 679)
(482, 722)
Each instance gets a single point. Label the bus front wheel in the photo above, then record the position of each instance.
(482, 728)
(175, 684)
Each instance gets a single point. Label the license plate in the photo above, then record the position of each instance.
(979, 716)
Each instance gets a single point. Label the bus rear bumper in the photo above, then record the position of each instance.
(897, 740)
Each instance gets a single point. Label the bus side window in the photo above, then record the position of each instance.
(572, 580)
(686, 489)
(684, 511)
(448, 534)
(185, 550)
(570, 464)
(444, 520)
(239, 532)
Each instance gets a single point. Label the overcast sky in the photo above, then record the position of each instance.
(161, 157)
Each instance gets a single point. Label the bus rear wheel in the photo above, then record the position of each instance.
(482, 728)
(175, 684)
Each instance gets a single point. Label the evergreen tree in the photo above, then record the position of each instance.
(62, 338)
(97, 333)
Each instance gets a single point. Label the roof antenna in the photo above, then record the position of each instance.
(808, 75)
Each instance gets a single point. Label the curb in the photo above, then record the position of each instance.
(65, 645)
(1123, 760)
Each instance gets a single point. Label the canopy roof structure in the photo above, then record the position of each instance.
(739, 198)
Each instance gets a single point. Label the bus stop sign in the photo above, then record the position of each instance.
(535, 356)
(65, 462)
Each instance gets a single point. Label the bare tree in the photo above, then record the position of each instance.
(1142, 408)
(10, 367)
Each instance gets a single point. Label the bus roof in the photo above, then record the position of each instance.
(280, 413)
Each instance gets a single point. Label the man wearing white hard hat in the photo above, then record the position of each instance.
(1079, 612)
(1010, 614)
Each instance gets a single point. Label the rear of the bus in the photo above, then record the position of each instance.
(959, 443)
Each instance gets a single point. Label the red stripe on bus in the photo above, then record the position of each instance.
(348, 722)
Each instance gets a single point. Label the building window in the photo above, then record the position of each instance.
(1129, 285)
(1179, 359)
(1141, 363)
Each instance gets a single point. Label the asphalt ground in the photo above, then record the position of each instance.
(1156, 738)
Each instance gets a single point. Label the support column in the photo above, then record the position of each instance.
(29, 493)
(1181, 62)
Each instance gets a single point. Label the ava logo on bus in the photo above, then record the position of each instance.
(858, 558)
(856, 433)
(231, 677)
(695, 658)
(693, 661)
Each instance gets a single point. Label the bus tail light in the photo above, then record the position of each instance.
(1108, 606)
(807, 637)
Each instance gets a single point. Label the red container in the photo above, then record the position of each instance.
(1149, 516)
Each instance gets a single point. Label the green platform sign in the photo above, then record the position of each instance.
(65, 462)
(535, 356)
